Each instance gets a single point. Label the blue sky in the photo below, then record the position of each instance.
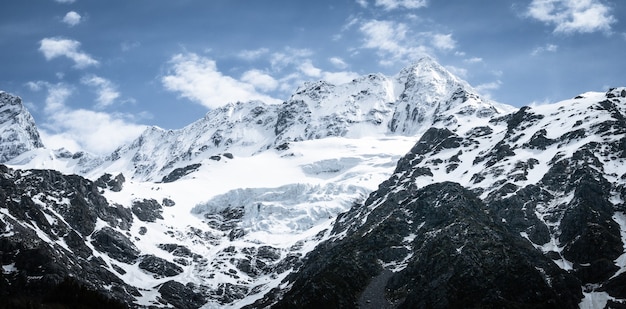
(95, 73)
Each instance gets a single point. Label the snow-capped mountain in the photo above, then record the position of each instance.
(221, 213)
(18, 133)
(525, 210)
(420, 96)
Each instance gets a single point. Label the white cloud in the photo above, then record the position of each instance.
(57, 47)
(198, 79)
(569, 16)
(279, 60)
(443, 41)
(391, 41)
(362, 3)
(105, 89)
(259, 80)
(486, 88)
(548, 48)
(395, 4)
(252, 54)
(72, 18)
(57, 95)
(95, 132)
(309, 69)
(338, 78)
(65, 1)
(338, 62)
(81, 129)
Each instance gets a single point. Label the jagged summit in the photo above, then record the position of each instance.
(420, 96)
(18, 132)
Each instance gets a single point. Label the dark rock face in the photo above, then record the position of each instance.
(447, 250)
(65, 208)
(115, 244)
(181, 296)
(159, 267)
(115, 184)
(147, 210)
(180, 172)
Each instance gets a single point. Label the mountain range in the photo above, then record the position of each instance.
(408, 191)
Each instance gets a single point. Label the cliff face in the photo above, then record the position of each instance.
(18, 132)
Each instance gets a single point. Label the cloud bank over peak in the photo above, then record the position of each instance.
(198, 79)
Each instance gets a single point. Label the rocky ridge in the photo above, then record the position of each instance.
(420, 96)
(18, 132)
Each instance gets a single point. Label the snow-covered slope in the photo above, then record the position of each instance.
(536, 196)
(18, 132)
(407, 104)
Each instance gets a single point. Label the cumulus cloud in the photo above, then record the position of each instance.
(72, 18)
(259, 80)
(399, 4)
(82, 129)
(336, 78)
(198, 79)
(390, 39)
(338, 62)
(443, 41)
(310, 70)
(569, 16)
(106, 91)
(541, 49)
(58, 47)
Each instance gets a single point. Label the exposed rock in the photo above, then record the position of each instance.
(181, 296)
(462, 257)
(180, 172)
(115, 244)
(159, 267)
(147, 210)
(168, 202)
(114, 184)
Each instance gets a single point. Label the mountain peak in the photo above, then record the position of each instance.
(18, 132)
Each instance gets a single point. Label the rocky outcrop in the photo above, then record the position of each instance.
(18, 132)
(46, 223)
(434, 247)
(159, 267)
(147, 210)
